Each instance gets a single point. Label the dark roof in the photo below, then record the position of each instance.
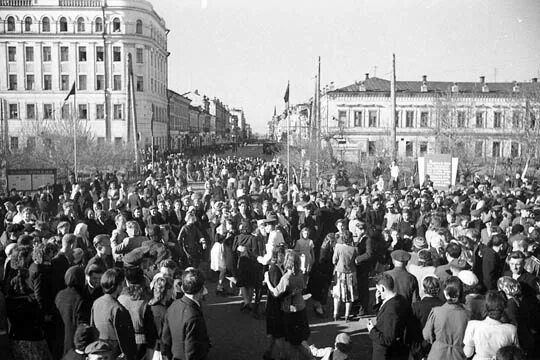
(375, 84)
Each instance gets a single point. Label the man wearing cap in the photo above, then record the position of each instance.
(191, 241)
(99, 350)
(184, 335)
(452, 252)
(103, 257)
(405, 284)
(340, 351)
(375, 217)
(84, 336)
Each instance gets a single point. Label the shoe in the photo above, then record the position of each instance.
(244, 308)
(335, 318)
(361, 311)
(319, 313)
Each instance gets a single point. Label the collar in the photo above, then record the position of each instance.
(190, 297)
(386, 300)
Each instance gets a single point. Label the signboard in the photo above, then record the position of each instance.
(30, 179)
(442, 170)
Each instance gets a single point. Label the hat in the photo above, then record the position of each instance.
(98, 347)
(400, 255)
(99, 239)
(459, 264)
(84, 335)
(420, 242)
(271, 218)
(468, 278)
(135, 256)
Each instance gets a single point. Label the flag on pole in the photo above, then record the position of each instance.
(71, 92)
(286, 97)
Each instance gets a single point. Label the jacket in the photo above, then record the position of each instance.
(343, 258)
(184, 334)
(405, 284)
(74, 310)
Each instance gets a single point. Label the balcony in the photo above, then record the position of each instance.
(81, 3)
(15, 3)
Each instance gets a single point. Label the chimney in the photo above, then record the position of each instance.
(482, 79)
(534, 80)
(424, 78)
(367, 76)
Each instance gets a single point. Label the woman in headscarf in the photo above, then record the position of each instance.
(73, 304)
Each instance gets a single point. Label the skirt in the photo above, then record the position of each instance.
(30, 350)
(217, 257)
(345, 288)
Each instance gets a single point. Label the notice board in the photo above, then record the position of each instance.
(442, 170)
(30, 179)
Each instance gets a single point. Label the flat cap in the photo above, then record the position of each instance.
(98, 347)
(84, 336)
(400, 255)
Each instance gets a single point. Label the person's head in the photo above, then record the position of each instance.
(102, 244)
(120, 222)
(112, 282)
(193, 283)
(347, 237)
(343, 343)
(340, 225)
(497, 241)
(278, 255)
(159, 287)
(168, 268)
(453, 251)
(132, 228)
(510, 352)
(43, 253)
(74, 277)
(292, 261)
(93, 274)
(68, 242)
(431, 286)
(99, 350)
(62, 228)
(453, 290)
(516, 262)
(385, 285)
(495, 304)
(84, 336)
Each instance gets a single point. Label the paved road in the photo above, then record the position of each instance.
(238, 336)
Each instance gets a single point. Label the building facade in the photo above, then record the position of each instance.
(178, 121)
(479, 120)
(48, 45)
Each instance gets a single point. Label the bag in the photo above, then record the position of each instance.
(156, 356)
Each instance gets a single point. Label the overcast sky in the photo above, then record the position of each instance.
(244, 51)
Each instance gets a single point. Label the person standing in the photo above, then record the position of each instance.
(388, 334)
(405, 283)
(394, 175)
(184, 335)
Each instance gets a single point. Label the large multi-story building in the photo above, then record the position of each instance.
(178, 121)
(476, 119)
(47, 45)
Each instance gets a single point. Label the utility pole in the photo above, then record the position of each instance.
(318, 126)
(107, 85)
(393, 136)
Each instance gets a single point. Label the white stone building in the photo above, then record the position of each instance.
(47, 45)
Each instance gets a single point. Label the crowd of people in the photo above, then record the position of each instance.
(107, 268)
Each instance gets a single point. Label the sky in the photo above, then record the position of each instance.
(245, 51)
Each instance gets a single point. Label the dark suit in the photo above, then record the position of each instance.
(74, 310)
(405, 284)
(364, 263)
(420, 313)
(491, 268)
(388, 334)
(184, 335)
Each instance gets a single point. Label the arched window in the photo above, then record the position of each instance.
(99, 25)
(138, 27)
(116, 25)
(11, 23)
(80, 25)
(28, 24)
(63, 24)
(45, 25)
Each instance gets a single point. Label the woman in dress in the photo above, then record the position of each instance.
(305, 248)
(275, 328)
(345, 271)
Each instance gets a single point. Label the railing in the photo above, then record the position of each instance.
(16, 3)
(81, 3)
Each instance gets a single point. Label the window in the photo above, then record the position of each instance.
(100, 111)
(532, 120)
(99, 25)
(80, 25)
(409, 148)
(397, 118)
(46, 54)
(117, 53)
(10, 24)
(117, 82)
(423, 147)
(12, 82)
(514, 149)
(496, 149)
(140, 83)
(83, 112)
(12, 54)
(45, 25)
(47, 82)
(139, 56)
(64, 82)
(357, 118)
(28, 24)
(30, 111)
(31, 143)
(82, 53)
(29, 54)
(342, 118)
(138, 27)
(47, 142)
(14, 141)
(516, 119)
(479, 119)
(118, 141)
(100, 53)
(118, 110)
(63, 24)
(30, 81)
(101, 141)
(409, 119)
(64, 53)
(373, 118)
(116, 25)
(82, 82)
(65, 112)
(371, 148)
(479, 149)
(497, 120)
(47, 111)
(13, 111)
(461, 121)
(100, 82)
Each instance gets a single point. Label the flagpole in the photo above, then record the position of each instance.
(75, 118)
(288, 145)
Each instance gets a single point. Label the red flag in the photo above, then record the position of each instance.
(72, 92)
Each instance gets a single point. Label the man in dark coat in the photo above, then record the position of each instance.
(184, 335)
(375, 217)
(528, 282)
(387, 335)
(406, 284)
(492, 264)
(364, 263)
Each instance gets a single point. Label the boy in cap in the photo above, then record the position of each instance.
(99, 350)
(340, 351)
(406, 284)
(84, 336)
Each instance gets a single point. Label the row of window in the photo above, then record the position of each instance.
(63, 25)
(48, 112)
(460, 120)
(31, 142)
(65, 84)
(46, 54)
